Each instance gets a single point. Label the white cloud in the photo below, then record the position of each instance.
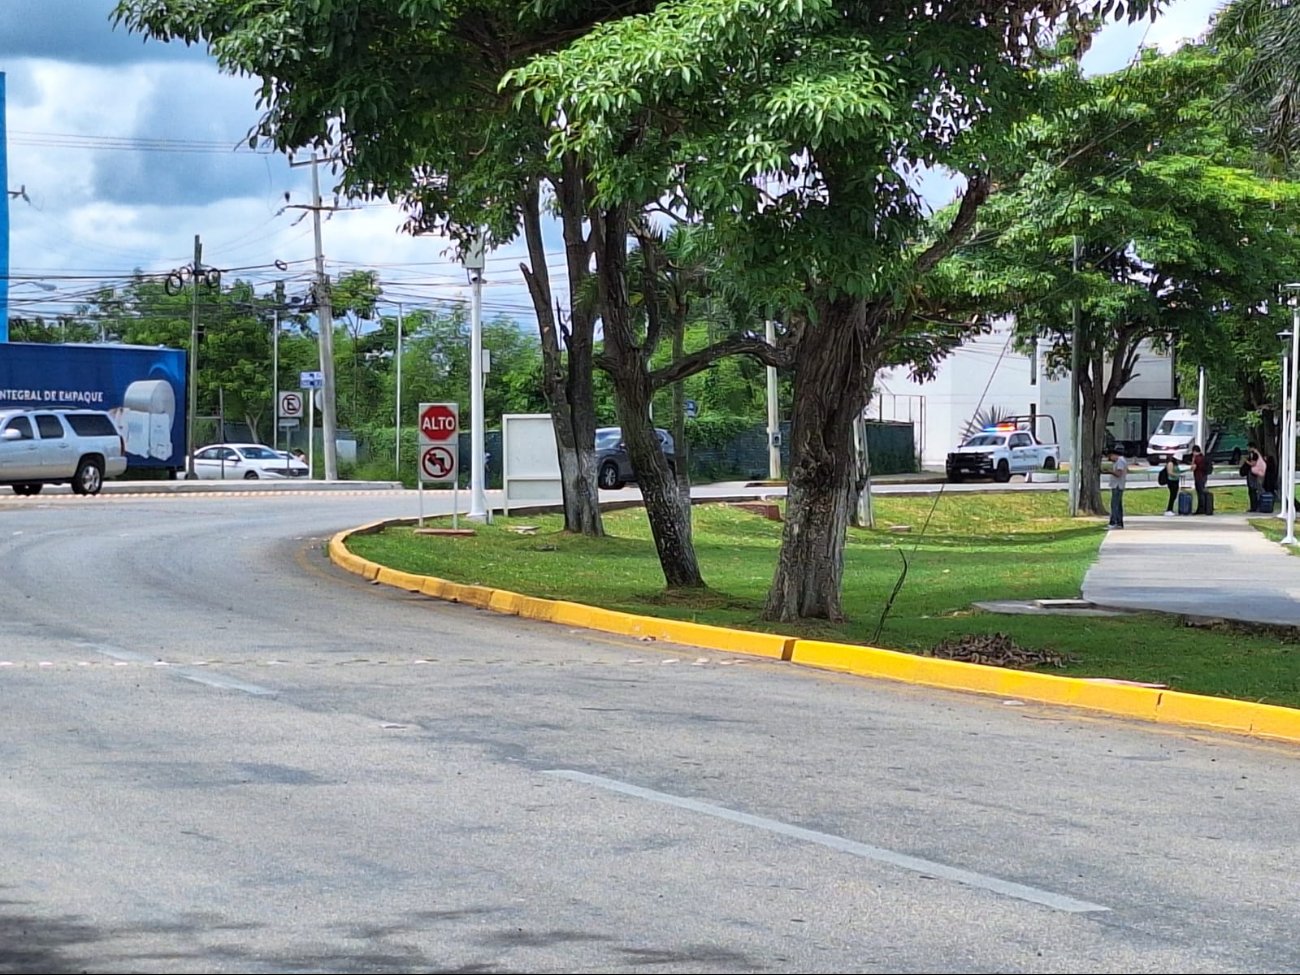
(100, 213)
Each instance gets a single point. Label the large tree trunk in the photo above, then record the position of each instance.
(628, 368)
(1090, 446)
(566, 380)
(830, 391)
(681, 446)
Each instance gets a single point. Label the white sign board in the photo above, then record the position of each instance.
(530, 462)
(291, 405)
(311, 380)
(439, 453)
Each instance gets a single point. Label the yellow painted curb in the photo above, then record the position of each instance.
(1110, 697)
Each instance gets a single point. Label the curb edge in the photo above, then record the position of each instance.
(1161, 706)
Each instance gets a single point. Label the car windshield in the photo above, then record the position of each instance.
(608, 438)
(1176, 428)
(260, 453)
(985, 440)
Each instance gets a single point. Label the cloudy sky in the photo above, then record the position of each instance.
(126, 149)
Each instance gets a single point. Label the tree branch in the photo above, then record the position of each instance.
(687, 366)
(977, 191)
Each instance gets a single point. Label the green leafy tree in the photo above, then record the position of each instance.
(407, 95)
(1181, 242)
(1262, 40)
(788, 128)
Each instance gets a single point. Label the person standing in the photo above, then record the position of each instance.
(1256, 468)
(1118, 478)
(1172, 479)
(1200, 475)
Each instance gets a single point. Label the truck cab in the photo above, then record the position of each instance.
(1001, 449)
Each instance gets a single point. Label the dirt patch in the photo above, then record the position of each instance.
(693, 599)
(996, 650)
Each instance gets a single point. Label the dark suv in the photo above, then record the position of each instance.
(613, 465)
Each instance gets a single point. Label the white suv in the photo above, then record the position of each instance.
(58, 446)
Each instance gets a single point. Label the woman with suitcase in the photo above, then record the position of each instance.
(1200, 475)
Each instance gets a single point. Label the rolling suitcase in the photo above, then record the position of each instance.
(1184, 503)
(1265, 503)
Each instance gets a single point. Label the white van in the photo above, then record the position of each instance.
(1173, 436)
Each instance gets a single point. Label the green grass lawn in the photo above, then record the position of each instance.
(1274, 529)
(977, 547)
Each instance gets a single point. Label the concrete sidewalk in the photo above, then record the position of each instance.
(1219, 567)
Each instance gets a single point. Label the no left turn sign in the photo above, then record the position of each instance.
(438, 464)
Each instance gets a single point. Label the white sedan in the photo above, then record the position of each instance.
(246, 461)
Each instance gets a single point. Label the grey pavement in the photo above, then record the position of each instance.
(220, 754)
(1218, 567)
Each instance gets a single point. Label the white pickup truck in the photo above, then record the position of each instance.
(1007, 447)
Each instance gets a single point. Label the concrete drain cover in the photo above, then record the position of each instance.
(1062, 604)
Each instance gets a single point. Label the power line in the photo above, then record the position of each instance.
(69, 140)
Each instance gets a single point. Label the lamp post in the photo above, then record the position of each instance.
(1283, 422)
(477, 451)
(1289, 420)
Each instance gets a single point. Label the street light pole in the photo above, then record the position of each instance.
(275, 379)
(193, 394)
(1289, 426)
(1282, 423)
(477, 451)
(1202, 429)
(1076, 361)
(773, 413)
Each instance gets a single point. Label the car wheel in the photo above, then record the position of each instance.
(1049, 464)
(1003, 473)
(608, 478)
(89, 477)
(26, 490)
(251, 476)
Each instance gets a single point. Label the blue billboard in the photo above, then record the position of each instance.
(141, 387)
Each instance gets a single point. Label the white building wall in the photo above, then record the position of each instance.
(943, 407)
(989, 372)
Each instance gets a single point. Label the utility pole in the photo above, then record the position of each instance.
(325, 324)
(773, 413)
(325, 316)
(275, 365)
(397, 408)
(1076, 452)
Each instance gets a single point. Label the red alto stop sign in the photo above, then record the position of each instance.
(438, 422)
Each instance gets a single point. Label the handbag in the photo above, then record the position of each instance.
(1163, 477)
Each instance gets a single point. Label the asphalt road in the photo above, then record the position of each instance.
(221, 755)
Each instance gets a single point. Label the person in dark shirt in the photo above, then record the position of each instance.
(1200, 475)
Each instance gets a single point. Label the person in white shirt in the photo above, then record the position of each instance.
(1118, 477)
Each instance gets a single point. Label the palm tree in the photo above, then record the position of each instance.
(1262, 41)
